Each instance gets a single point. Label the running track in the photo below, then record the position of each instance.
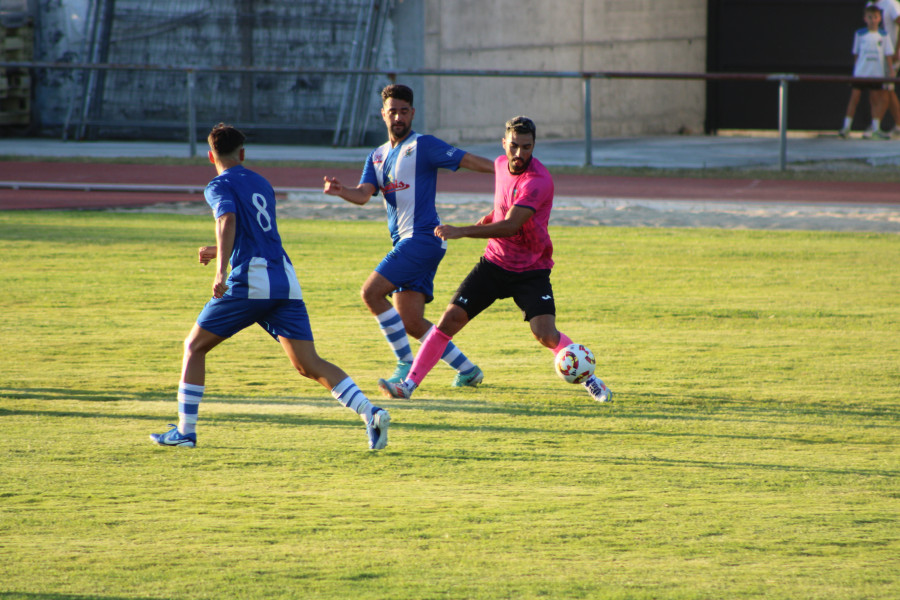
(588, 186)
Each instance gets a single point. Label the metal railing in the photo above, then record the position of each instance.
(587, 77)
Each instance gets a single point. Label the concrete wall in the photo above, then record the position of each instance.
(564, 35)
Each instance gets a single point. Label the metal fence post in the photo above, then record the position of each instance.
(782, 123)
(588, 134)
(192, 112)
(783, 80)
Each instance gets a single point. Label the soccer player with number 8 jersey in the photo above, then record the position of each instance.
(261, 288)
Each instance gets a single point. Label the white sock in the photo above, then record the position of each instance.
(349, 394)
(848, 121)
(189, 397)
(876, 124)
(395, 333)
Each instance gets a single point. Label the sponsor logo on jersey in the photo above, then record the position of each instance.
(410, 150)
(378, 158)
(394, 186)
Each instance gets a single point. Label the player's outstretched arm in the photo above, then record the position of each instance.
(509, 226)
(357, 195)
(206, 254)
(488, 218)
(473, 162)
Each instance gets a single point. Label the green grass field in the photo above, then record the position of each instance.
(752, 451)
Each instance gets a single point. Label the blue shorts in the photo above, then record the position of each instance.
(412, 264)
(228, 315)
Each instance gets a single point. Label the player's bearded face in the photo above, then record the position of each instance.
(519, 147)
(398, 116)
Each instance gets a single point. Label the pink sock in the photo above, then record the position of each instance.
(563, 342)
(428, 355)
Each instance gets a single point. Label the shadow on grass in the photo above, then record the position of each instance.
(611, 422)
(81, 395)
(51, 596)
(646, 405)
(463, 456)
(697, 408)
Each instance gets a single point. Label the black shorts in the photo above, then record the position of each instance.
(867, 86)
(486, 282)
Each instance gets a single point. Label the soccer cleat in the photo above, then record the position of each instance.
(895, 132)
(472, 378)
(377, 429)
(880, 135)
(173, 437)
(844, 133)
(598, 390)
(394, 390)
(400, 372)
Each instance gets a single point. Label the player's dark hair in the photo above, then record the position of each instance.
(397, 91)
(521, 124)
(225, 139)
(873, 8)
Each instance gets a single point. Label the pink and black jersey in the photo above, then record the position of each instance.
(530, 248)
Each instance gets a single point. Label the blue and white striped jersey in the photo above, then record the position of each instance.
(407, 178)
(260, 268)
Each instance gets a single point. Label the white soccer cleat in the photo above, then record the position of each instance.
(377, 429)
(394, 390)
(598, 390)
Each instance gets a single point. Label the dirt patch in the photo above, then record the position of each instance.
(588, 212)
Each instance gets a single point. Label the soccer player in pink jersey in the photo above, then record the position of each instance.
(516, 262)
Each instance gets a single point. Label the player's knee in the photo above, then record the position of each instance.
(453, 320)
(417, 328)
(547, 341)
(369, 296)
(304, 372)
(309, 365)
(546, 337)
(193, 346)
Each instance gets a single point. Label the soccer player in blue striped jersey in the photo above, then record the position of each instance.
(261, 288)
(404, 170)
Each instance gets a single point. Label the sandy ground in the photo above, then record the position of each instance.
(609, 212)
(612, 201)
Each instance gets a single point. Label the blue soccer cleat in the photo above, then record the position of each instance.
(471, 379)
(377, 429)
(174, 438)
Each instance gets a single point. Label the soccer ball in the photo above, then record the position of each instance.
(575, 363)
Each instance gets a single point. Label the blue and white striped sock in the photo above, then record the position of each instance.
(454, 357)
(349, 394)
(392, 327)
(189, 397)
